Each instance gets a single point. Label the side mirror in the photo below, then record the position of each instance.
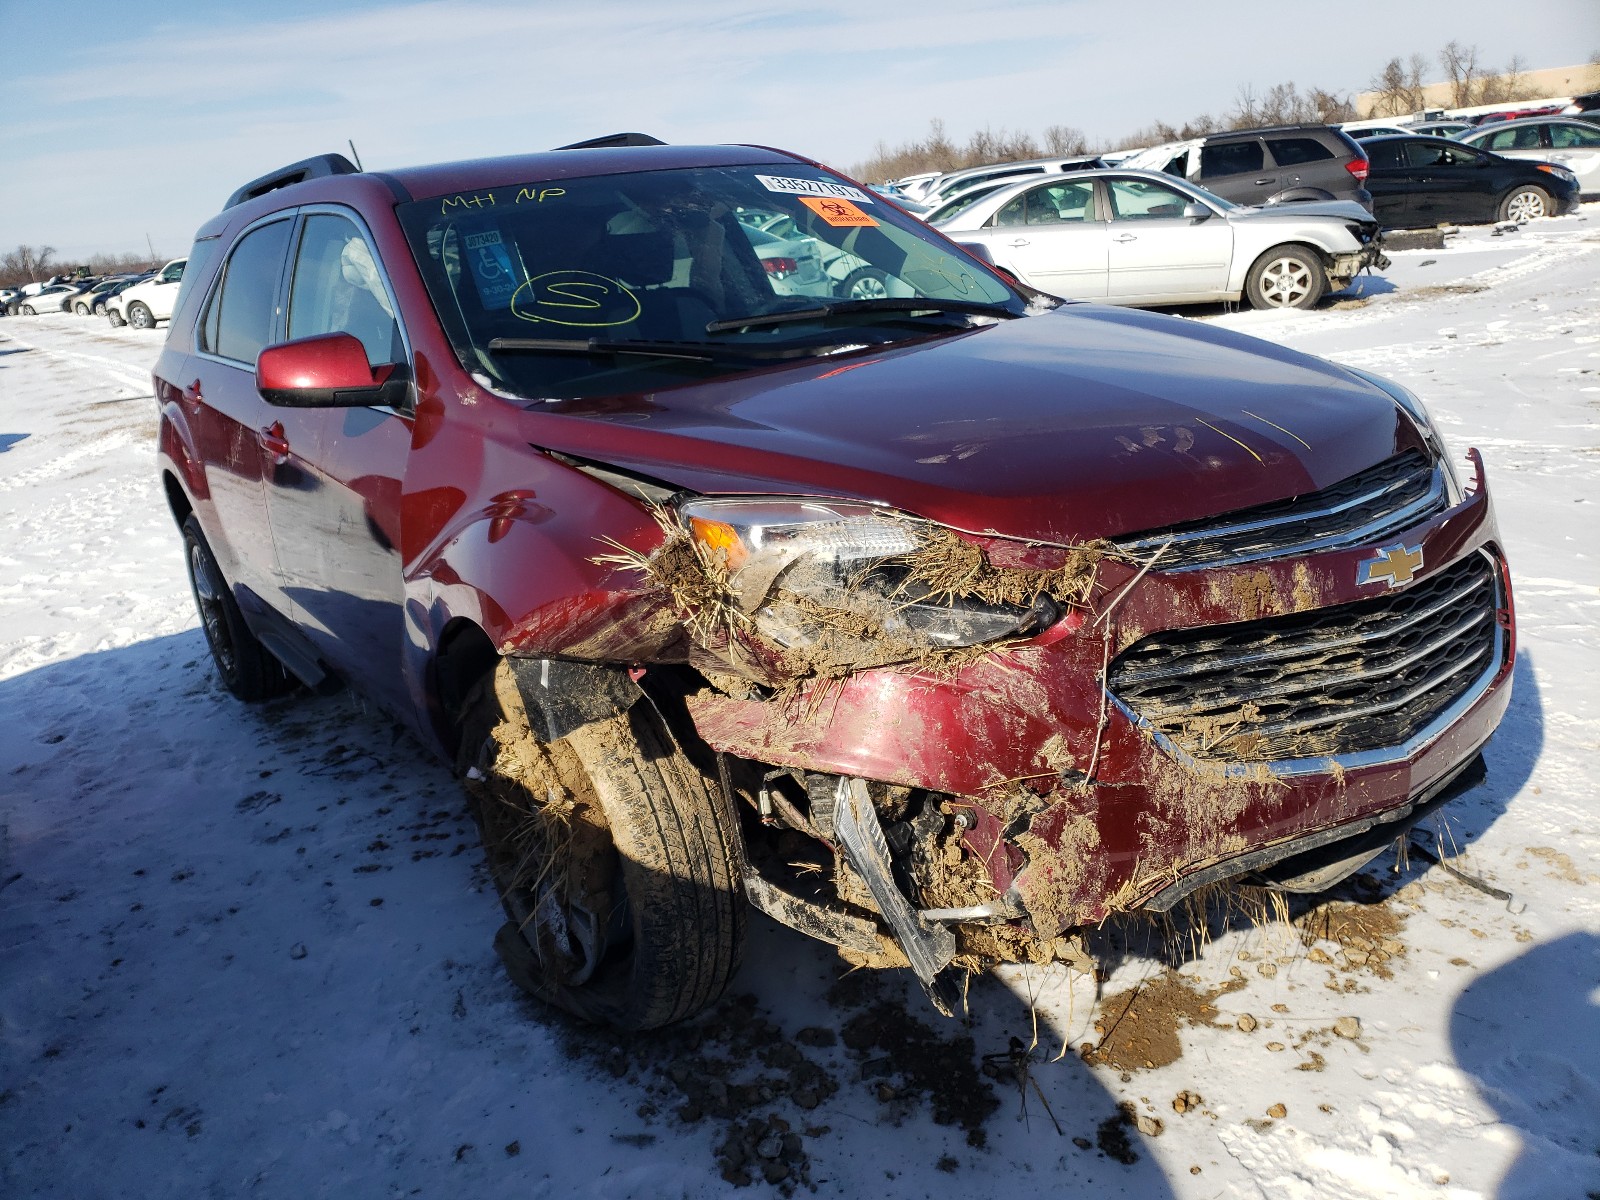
(327, 371)
(1195, 211)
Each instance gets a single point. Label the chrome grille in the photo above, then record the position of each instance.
(1337, 681)
(1368, 506)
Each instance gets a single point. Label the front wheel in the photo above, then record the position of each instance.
(616, 860)
(247, 668)
(115, 318)
(1526, 204)
(141, 317)
(27, 311)
(865, 283)
(1286, 277)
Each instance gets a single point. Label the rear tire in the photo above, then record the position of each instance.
(1525, 204)
(1286, 277)
(115, 318)
(247, 668)
(865, 283)
(141, 317)
(617, 861)
(81, 309)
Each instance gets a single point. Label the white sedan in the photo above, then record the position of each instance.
(1145, 237)
(1573, 144)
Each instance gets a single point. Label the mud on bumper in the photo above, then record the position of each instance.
(1267, 718)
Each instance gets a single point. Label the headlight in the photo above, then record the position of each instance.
(840, 578)
(1560, 173)
(1413, 407)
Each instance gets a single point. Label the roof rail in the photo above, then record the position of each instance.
(613, 140)
(319, 167)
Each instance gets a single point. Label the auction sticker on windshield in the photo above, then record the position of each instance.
(812, 187)
(836, 212)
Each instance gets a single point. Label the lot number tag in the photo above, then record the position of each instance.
(813, 187)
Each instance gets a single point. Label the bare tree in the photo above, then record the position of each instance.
(1392, 91)
(1460, 64)
(1062, 140)
(26, 264)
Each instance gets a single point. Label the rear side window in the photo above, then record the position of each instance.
(1288, 152)
(238, 324)
(1525, 138)
(1385, 154)
(1053, 204)
(199, 258)
(1230, 158)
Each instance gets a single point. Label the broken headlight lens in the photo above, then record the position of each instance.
(808, 571)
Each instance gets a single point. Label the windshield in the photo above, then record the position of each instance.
(569, 287)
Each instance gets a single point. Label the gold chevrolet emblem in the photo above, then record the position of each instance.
(1394, 566)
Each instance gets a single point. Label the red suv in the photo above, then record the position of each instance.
(936, 624)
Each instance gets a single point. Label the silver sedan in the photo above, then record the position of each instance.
(1145, 237)
(1575, 145)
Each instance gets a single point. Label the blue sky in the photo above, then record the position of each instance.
(122, 120)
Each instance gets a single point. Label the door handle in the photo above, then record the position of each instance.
(1017, 242)
(1269, 179)
(273, 441)
(1126, 237)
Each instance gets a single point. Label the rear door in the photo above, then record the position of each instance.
(1158, 254)
(334, 479)
(1053, 236)
(1305, 162)
(1389, 181)
(1238, 171)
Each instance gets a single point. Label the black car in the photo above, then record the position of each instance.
(1419, 181)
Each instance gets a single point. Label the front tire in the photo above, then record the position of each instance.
(27, 311)
(115, 318)
(247, 668)
(1286, 277)
(141, 317)
(1526, 204)
(617, 861)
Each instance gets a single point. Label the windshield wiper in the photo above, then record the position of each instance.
(891, 304)
(601, 346)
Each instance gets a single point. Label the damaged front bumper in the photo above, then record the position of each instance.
(1196, 723)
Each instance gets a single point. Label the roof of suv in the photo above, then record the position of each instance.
(609, 157)
(1225, 135)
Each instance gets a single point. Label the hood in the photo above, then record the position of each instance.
(1088, 421)
(1347, 210)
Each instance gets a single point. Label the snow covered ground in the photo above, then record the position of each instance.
(246, 951)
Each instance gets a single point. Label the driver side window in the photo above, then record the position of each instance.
(1140, 200)
(337, 288)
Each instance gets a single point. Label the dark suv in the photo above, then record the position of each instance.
(1268, 166)
(937, 624)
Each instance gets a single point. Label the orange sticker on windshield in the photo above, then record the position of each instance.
(836, 212)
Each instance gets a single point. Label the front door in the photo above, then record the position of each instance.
(1157, 253)
(333, 489)
(1449, 182)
